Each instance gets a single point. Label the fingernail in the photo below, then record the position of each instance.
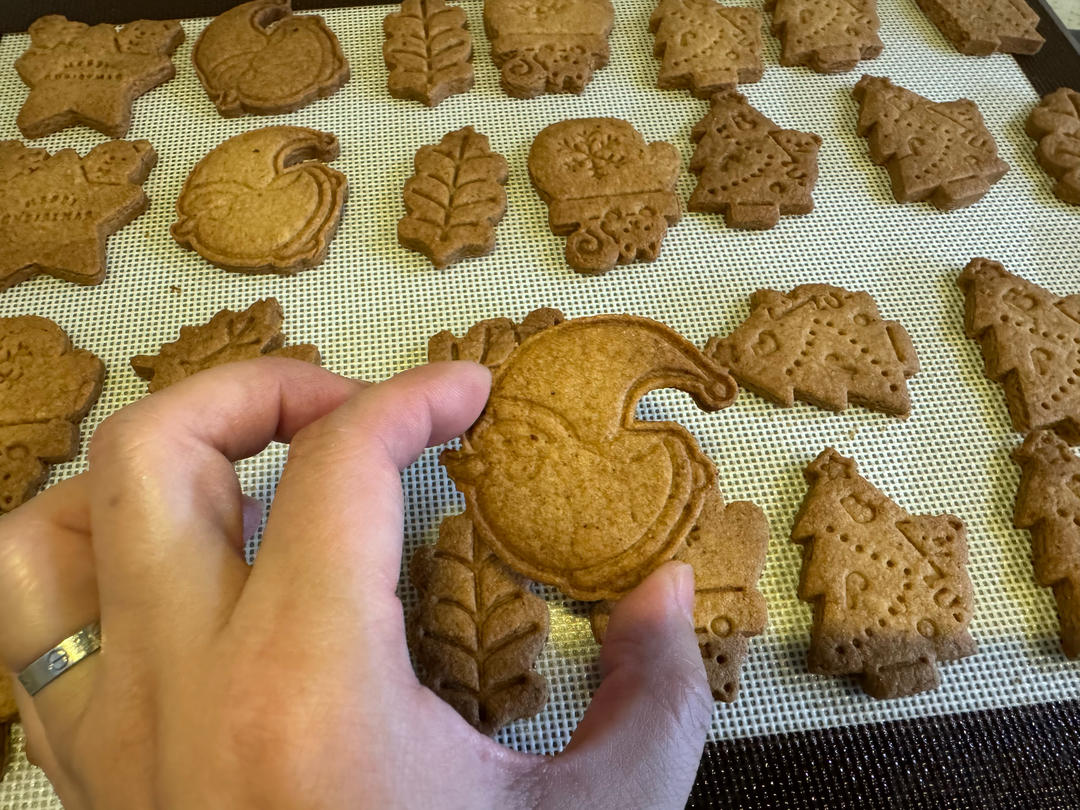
(684, 589)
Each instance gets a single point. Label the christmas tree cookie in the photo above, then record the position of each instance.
(890, 590)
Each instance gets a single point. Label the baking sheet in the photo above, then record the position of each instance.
(373, 304)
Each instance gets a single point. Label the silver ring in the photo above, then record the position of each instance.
(61, 658)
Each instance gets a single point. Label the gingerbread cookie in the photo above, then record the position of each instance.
(560, 479)
(940, 152)
(454, 199)
(47, 386)
(1030, 340)
(477, 630)
(981, 27)
(890, 590)
(1048, 504)
(727, 551)
(259, 59)
(228, 337)
(612, 193)
(1055, 124)
(749, 169)
(78, 74)
(9, 712)
(705, 46)
(263, 201)
(822, 345)
(428, 51)
(56, 211)
(548, 46)
(491, 342)
(829, 36)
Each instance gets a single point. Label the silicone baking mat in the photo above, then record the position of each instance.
(373, 304)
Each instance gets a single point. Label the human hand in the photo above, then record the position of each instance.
(288, 684)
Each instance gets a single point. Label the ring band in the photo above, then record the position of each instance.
(61, 658)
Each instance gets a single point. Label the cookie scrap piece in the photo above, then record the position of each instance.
(822, 345)
(78, 74)
(548, 46)
(705, 46)
(477, 630)
(1048, 504)
(428, 51)
(890, 590)
(727, 551)
(562, 481)
(981, 27)
(749, 169)
(828, 36)
(454, 199)
(260, 59)
(263, 201)
(1030, 341)
(612, 193)
(47, 386)
(1055, 124)
(938, 152)
(56, 211)
(228, 337)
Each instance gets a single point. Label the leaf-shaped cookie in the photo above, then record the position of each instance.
(490, 342)
(428, 51)
(477, 629)
(454, 199)
(228, 337)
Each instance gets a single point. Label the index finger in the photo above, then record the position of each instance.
(166, 507)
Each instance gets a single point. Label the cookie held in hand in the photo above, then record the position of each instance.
(47, 386)
(937, 152)
(822, 345)
(260, 59)
(890, 590)
(454, 199)
(263, 201)
(561, 480)
(476, 630)
(227, 338)
(608, 190)
(91, 75)
(56, 211)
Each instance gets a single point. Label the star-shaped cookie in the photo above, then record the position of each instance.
(78, 74)
(57, 210)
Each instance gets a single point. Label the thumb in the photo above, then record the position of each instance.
(640, 741)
